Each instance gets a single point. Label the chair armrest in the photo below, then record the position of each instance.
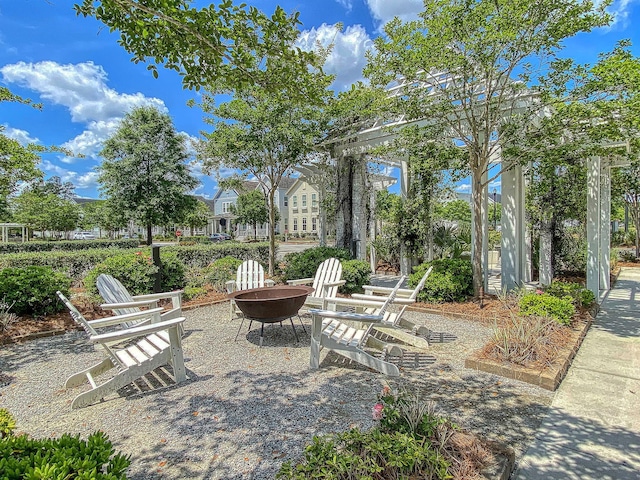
(338, 283)
(351, 302)
(127, 317)
(142, 303)
(371, 289)
(134, 332)
(379, 299)
(301, 281)
(159, 296)
(269, 283)
(355, 317)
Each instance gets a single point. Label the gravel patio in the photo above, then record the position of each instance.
(246, 409)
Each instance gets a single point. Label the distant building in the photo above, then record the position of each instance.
(303, 204)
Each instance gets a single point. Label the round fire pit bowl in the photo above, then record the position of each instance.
(271, 304)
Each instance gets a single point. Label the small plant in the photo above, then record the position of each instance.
(190, 293)
(580, 295)
(6, 318)
(64, 457)
(544, 305)
(7, 423)
(525, 341)
(356, 273)
(221, 271)
(450, 280)
(32, 290)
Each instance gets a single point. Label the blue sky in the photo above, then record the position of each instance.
(86, 81)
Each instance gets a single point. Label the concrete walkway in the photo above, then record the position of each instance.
(592, 430)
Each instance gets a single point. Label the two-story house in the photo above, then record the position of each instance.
(303, 202)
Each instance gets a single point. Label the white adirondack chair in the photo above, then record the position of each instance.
(250, 274)
(325, 283)
(121, 302)
(330, 330)
(393, 323)
(130, 352)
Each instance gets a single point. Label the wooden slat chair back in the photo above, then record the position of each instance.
(121, 302)
(325, 283)
(250, 274)
(130, 352)
(394, 322)
(330, 330)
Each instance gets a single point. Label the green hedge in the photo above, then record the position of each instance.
(546, 305)
(304, 264)
(77, 264)
(451, 280)
(32, 290)
(66, 245)
(356, 273)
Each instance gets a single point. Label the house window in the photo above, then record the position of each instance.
(295, 223)
(295, 201)
(314, 224)
(226, 207)
(286, 201)
(304, 224)
(304, 201)
(286, 225)
(314, 200)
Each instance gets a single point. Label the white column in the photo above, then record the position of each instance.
(405, 263)
(512, 228)
(605, 226)
(372, 230)
(593, 225)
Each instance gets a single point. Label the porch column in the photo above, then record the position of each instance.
(605, 225)
(512, 260)
(593, 225)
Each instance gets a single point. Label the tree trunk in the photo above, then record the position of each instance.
(149, 234)
(476, 261)
(344, 203)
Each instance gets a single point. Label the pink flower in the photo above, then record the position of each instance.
(539, 292)
(138, 253)
(386, 391)
(376, 411)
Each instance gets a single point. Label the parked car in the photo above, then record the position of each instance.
(219, 237)
(83, 236)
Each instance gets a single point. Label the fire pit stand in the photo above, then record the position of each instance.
(271, 305)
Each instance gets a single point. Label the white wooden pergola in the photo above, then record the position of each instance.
(4, 231)
(516, 261)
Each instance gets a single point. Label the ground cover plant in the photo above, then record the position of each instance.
(410, 441)
(60, 458)
(66, 245)
(32, 290)
(451, 280)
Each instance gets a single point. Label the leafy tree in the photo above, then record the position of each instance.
(469, 55)
(18, 163)
(198, 216)
(629, 183)
(46, 212)
(144, 174)
(264, 134)
(251, 209)
(56, 186)
(101, 214)
(218, 46)
(455, 210)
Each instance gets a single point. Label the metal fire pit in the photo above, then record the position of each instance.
(271, 304)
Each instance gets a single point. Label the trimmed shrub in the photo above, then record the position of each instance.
(77, 264)
(7, 423)
(195, 239)
(64, 457)
(221, 271)
(450, 280)
(66, 245)
(580, 295)
(356, 273)
(304, 264)
(545, 305)
(137, 272)
(32, 290)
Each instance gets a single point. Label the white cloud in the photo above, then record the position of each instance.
(620, 10)
(494, 185)
(22, 136)
(80, 87)
(347, 4)
(385, 10)
(346, 59)
(88, 180)
(464, 187)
